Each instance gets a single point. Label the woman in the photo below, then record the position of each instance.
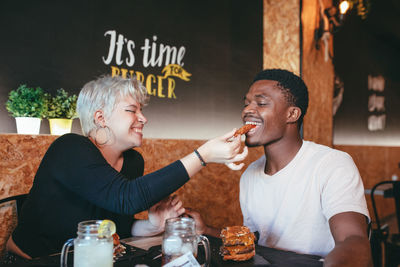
(100, 176)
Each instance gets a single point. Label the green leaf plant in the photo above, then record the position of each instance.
(61, 106)
(26, 102)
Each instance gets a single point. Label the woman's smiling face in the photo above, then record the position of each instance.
(126, 123)
(265, 106)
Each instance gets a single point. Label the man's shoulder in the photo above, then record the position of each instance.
(323, 150)
(312, 146)
(324, 157)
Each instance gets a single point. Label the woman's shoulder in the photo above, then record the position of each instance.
(70, 141)
(132, 154)
(73, 148)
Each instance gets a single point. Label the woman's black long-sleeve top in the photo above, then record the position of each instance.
(75, 183)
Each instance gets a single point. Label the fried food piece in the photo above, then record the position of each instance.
(238, 243)
(118, 248)
(116, 239)
(244, 129)
(234, 254)
(237, 235)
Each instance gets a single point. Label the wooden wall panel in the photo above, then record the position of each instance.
(282, 35)
(318, 74)
(20, 156)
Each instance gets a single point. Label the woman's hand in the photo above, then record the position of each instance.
(224, 149)
(169, 207)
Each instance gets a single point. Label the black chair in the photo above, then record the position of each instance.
(20, 199)
(382, 234)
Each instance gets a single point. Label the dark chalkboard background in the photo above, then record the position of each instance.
(60, 44)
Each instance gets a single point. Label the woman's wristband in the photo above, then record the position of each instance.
(203, 163)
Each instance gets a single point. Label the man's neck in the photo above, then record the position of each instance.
(281, 153)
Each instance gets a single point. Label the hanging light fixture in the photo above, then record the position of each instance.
(343, 8)
(331, 19)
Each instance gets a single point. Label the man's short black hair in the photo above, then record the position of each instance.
(293, 87)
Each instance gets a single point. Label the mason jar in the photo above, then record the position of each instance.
(89, 249)
(180, 237)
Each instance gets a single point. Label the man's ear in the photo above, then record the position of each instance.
(294, 114)
(99, 118)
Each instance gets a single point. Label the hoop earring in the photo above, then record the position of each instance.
(107, 134)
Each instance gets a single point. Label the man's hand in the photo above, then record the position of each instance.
(201, 227)
(167, 208)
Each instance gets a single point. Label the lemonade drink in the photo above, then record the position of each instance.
(89, 253)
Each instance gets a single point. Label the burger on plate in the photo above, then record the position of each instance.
(237, 243)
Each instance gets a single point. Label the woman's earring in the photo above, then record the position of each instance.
(101, 134)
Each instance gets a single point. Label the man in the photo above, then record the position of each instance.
(299, 196)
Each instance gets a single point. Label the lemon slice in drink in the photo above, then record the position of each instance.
(106, 229)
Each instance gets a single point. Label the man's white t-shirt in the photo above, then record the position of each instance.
(291, 209)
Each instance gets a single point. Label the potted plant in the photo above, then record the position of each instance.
(61, 110)
(27, 105)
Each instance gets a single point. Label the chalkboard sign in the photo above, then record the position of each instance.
(196, 58)
(367, 55)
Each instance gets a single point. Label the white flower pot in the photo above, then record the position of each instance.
(28, 125)
(60, 126)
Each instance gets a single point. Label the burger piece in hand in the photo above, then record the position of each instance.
(237, 243)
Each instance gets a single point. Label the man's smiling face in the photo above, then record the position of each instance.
(265, 106)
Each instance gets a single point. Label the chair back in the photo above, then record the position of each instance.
(20, 199)
(394, 193)
(383, 233)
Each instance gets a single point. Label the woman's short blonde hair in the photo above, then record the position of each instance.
(104, 94)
